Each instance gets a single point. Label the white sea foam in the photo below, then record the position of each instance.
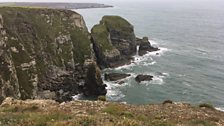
(113, 92)
(153, 43)
(220, 108)
(166, 74)
(147, 57)
(113, 88)
(125, 66)
(158, 80)
(77, 97)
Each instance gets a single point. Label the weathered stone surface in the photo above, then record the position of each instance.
(114, 41)
(145, 46)
(94, 84)
(121, 33)
(42, 53)
(115, 76)
(141, 78)
(105, 52)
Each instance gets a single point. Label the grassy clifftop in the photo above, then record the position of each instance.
(101, 36)
(117, 22)
(97, 113)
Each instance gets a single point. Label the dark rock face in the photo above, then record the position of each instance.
(145, 46)
(115, 76)
(61, 85)
(141, 78)
(49, 53)
(121, 33)
(113, 41)
(94, 84)
(43, 54)
(105, 52)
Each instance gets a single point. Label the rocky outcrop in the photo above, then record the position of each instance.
(121, 33)
(106, 53)
(115, 76)
(93, 83)
(141, 78)
(43, 54)
(114, 41)
(49, 53)
(145, 46)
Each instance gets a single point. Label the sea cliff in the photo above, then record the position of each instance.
(45, 53)
(49, 53)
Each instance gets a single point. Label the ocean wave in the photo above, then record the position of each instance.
(77, 97)
(113, 92)
(220, 108)
(157, 79)
(203, 51)
(139, 60)
(153, 43)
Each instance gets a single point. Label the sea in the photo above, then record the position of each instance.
(190, 64)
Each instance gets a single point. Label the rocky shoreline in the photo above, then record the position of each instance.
(47, 56)
(41, 60)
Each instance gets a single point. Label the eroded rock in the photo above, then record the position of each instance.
(145, 46)
(41, 55)
(94, 85)
(115, 76)
(114, 41)
(141, 78)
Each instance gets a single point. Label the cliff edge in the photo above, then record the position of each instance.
(45, 53)
(98, 113)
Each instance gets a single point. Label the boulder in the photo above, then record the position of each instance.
(121, 82)
(141, 78)
(115, 76)
(145, 46)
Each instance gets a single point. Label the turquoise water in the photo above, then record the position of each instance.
(190, 67)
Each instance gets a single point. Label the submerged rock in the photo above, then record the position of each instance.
(115, 76)
(141, 78)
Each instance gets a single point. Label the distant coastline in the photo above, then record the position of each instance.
(54, 5)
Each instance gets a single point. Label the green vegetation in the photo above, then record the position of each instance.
(97, 113)
(102, 98)
(201, 123)
(101, 37)
(39, 38)
(118, 24)
(81, 45)
(116, 109)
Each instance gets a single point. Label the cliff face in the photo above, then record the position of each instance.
(48, 53)
(114, 41)
(43, 53)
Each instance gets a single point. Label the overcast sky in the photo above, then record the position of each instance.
(110, 2)
(93, 0)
